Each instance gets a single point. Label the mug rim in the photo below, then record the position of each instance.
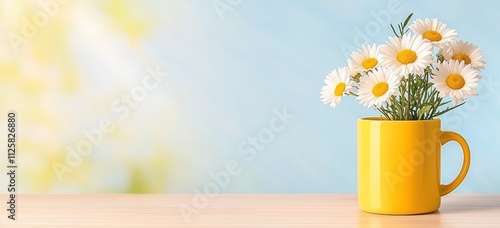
(383, 119)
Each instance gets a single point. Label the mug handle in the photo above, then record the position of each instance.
(449, 136)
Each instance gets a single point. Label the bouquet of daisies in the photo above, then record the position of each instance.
(402, 80)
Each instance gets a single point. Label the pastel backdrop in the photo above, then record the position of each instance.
(218, 95)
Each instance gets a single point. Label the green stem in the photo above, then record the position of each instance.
(383, 113)
(408, 100)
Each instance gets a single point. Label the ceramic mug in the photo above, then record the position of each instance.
(399, 165)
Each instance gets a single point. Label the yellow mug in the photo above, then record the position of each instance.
(399, 165)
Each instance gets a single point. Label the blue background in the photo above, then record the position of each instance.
(273, 54)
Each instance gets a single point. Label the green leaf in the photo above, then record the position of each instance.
(423, 110)
(394, 31)
(406, 31)
(448, 109)
(407, 19)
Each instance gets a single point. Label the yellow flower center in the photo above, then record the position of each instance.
(455, 81)
(462, 57)
(369, 63)
(407, 56)
(433, 36)
(339, 89)
(380, 89)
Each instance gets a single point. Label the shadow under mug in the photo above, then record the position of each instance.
(399, 165)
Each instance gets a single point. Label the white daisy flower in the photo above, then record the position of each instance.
(407, 55)
(441, 51)
(377, 87)
(455, 79)
(466, 52)
(364, 59)
(434, 31)
(338, 83)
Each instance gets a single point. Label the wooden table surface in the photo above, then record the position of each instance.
(237, 211)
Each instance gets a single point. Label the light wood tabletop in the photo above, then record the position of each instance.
(237, 211)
